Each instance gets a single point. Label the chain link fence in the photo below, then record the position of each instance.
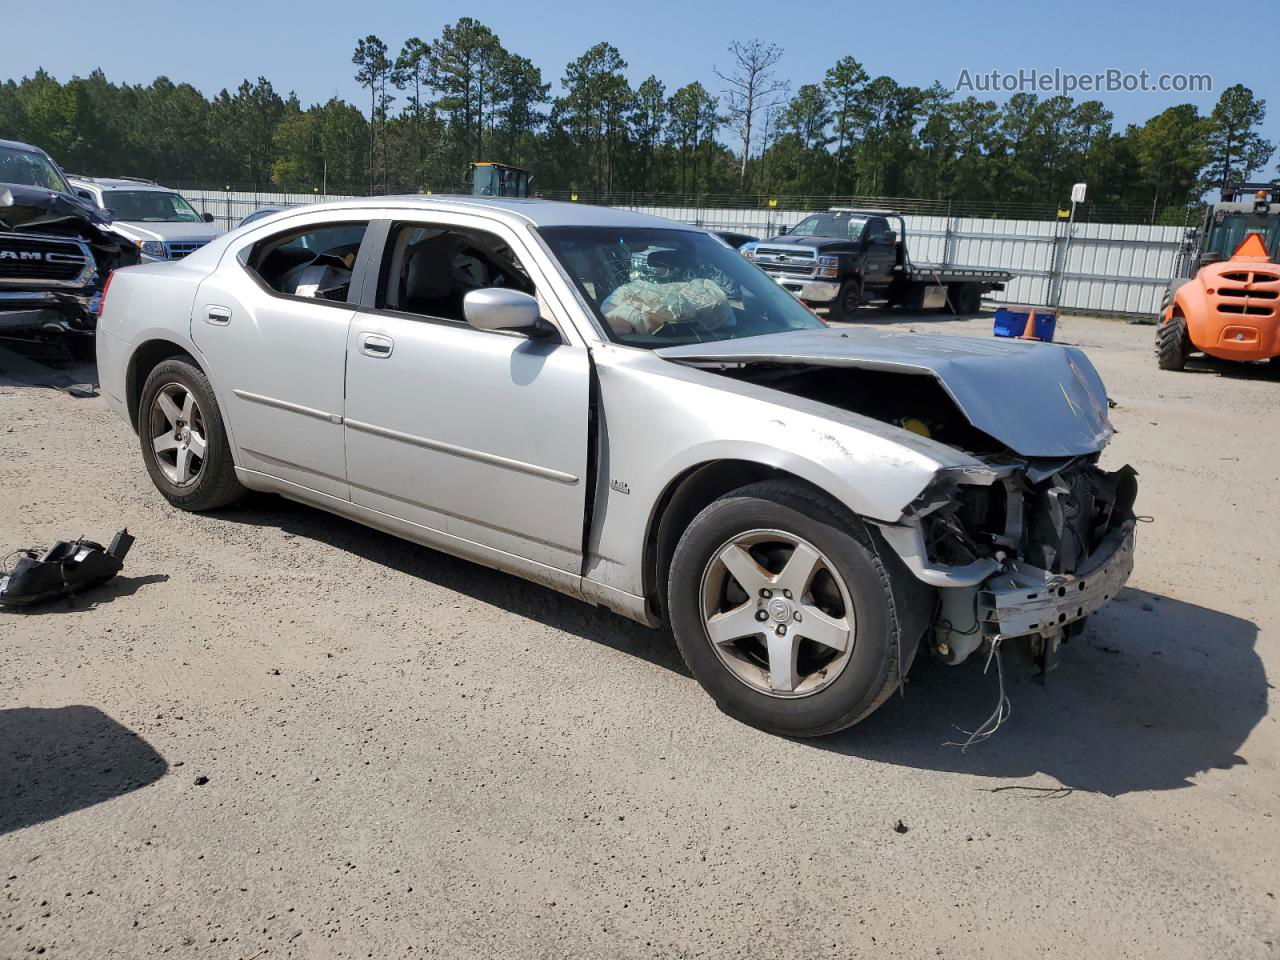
(736, 209)
(1118, 267)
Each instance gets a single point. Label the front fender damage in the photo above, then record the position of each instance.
(1030, 548)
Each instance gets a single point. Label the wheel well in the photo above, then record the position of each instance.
(684, 498)
(145, 359)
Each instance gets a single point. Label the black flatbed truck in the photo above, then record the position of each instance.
(846, 257)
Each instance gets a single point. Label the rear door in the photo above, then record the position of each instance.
(478, 434)
(272, 321)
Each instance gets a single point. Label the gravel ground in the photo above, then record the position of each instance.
(279, 734)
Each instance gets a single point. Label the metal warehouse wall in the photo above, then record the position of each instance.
(1101, 268)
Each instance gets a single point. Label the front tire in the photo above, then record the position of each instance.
(783, 611)
(184, 443)
(844, 307)
(1173, 344)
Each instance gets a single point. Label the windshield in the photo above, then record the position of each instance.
(30, 170)
(149, 206)
(663, 288)
(830, 225)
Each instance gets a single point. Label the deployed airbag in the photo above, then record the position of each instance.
(642, 306)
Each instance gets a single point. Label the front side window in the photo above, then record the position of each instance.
(28, 169)
(658, 287)
(314, 262)
(428, 270)
(837, 225)
(149, 206)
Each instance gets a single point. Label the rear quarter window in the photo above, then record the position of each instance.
(314, 262)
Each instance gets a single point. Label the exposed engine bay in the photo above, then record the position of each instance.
(55, 256)
(1029, 543)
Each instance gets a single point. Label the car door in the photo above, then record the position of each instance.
(481, 435)
(880, 254)
(272, 323)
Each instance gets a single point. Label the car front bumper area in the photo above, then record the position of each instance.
(1025, 600)
(27, 313)
(806, 289)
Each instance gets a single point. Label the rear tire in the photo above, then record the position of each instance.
(765, 666)
(963, 299)
(1173, 345)
(184, 443)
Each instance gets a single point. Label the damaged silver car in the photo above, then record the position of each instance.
(624, 409)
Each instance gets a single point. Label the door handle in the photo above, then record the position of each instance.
(375, 345)
(219, 316)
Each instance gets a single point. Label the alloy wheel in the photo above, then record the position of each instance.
(177, 431)
(777, 613)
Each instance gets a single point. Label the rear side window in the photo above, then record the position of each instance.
(313, 263)
(428, 270)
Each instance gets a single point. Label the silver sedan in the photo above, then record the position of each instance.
(623, 409)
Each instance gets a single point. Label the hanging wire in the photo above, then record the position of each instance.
(998, 716)
(20, 552)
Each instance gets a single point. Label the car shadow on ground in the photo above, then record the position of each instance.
(34, 364)
(58, 760)
(1155, 692)
(508, 592)
(880, 316)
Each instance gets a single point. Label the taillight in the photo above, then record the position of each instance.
(102, 299)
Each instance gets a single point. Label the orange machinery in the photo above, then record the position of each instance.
(1229, 309)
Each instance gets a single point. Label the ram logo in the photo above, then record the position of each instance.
(24, 255)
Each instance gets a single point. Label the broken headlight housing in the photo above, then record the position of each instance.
(1049, 514)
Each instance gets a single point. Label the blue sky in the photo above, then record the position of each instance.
(306, 47)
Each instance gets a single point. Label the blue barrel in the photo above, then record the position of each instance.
(1011, 321)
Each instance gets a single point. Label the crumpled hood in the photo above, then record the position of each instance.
(29, 208)
(1038, 399)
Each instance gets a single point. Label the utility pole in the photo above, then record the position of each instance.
(1077, 196)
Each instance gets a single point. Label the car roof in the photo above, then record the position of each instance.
(539, 213)
(24, 147)
(120, 183)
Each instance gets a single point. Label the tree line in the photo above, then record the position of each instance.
(436, 105)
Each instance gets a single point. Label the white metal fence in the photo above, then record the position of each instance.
(1092, 267)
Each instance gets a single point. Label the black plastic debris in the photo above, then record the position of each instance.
(65, 568)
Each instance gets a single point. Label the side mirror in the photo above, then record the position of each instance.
(86, 195)
(496, 308)
(208, 218)
(890, 238)
(782, 232)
